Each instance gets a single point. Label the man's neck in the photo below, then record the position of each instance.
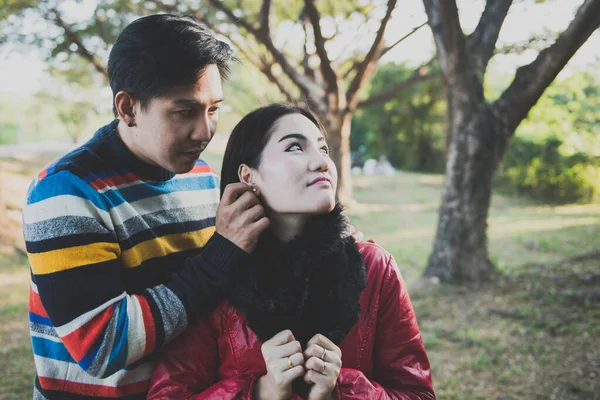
(126, 134)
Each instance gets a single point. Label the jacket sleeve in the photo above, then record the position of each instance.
(401, 368)
(79, 308)
(187, 368)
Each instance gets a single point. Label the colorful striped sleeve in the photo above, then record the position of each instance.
(78, 301)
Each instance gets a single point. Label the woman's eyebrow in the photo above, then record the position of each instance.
(293, 136)
(300, 137)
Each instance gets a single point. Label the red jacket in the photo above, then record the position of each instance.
(382, 357)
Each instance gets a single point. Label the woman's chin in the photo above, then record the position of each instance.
(325, 206)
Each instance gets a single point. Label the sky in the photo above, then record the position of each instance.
(22, 70)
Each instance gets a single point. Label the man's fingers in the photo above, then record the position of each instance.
(246, 201)
(261, 225)
(233, 191)
(255, 213)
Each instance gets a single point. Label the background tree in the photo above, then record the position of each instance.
(410, 128)
(480, 131)
(306, 71)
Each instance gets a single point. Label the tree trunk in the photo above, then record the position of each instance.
(460, 251)
(338, 137)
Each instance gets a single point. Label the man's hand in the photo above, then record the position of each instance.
(284, 361)
(323, 365)
(241, 217)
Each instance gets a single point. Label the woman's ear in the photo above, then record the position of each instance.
(246, 174)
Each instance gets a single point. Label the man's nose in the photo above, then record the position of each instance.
(203, 129)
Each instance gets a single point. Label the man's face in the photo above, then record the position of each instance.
(175, 128)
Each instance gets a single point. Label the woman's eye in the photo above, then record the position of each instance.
(325, 149)
(294, 147)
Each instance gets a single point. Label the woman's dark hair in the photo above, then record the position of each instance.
(250, 136)
(157, 52)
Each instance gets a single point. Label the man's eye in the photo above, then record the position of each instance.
(325, 149)
(213, 110)
(294, 147)
(185, 113)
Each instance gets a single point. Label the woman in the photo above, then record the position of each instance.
(315, 314)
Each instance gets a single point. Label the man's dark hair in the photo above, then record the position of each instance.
(250, 136)
(157, 52)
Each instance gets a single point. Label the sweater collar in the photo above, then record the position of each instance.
(110, 138)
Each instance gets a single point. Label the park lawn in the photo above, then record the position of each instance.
(530, 335)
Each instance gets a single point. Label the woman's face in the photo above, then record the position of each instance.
(296, 175)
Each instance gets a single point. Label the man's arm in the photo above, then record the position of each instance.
(78, 297)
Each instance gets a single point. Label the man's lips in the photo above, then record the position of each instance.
(195, 151)
(321, 179)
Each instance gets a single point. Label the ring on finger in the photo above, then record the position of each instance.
(323, 355)
(324, 367)
(290, 363)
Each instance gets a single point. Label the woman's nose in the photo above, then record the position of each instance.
(319, 162)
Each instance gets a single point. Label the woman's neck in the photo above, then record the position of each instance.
(287, 226)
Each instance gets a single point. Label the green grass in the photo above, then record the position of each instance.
(16, 359)
(542, 345)
(16, 381)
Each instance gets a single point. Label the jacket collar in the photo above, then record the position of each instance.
(309, 285)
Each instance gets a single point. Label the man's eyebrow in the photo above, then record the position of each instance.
(193, 102)
(300, 137)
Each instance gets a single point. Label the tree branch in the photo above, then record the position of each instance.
(264, 18)
(81, 49)
(482, 42)
(262, 64)
(420, 74)
(533, 43)
(531, 80)
(267, 69)
(449, 38)
(367, 67)
(308, 71)
(101, 31)
(329, 74)
(354, 64)
(403, 38)
(301, 81)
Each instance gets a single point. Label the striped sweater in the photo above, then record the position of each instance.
(123, 257)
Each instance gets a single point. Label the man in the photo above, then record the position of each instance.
(121, 231)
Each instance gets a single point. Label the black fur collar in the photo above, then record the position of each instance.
(310, 285)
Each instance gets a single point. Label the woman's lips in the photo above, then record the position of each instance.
(322, 180)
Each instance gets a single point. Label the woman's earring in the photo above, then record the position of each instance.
(253, 190)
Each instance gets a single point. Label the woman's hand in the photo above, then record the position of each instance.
(285, 362)
(323, 365)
